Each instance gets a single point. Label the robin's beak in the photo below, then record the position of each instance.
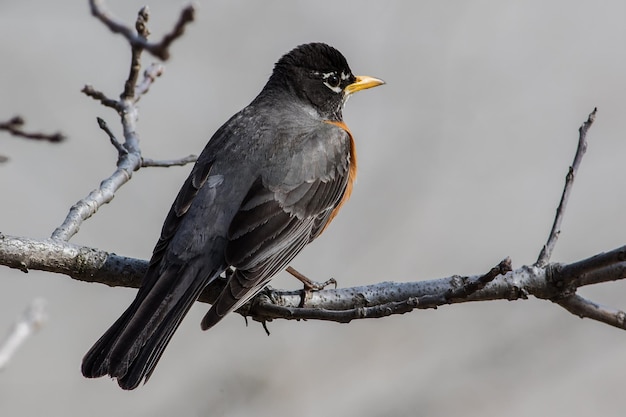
(363, 82)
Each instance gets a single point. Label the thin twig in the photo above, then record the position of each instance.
(136, 49)
(116, 143)
(470, 287)
(162, 48)
(101, 97)
(149, 76)
(546, 251)
(15, 127)
(584, 308)
(158, 49)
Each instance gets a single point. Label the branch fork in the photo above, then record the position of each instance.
(130, 158)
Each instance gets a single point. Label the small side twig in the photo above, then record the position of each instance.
(470, 287)
(584, 308)
(31, 320)
(546, 251)
(149, 77)
(90, 91)
(15, 127)
(116, 143)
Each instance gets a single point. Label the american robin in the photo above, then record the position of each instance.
(269, 181)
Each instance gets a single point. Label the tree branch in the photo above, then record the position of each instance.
(139, 39)
(546, 251)
(129, 152)
(553, 282)
(582, 308)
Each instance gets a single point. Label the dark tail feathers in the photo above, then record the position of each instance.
(133, 345)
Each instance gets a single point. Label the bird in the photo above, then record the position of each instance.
(269, 181)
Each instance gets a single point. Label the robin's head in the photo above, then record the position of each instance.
(319, 75)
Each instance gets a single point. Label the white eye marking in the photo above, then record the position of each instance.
(335, 89)
(332, 81)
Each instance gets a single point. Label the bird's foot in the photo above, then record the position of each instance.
(309, 285)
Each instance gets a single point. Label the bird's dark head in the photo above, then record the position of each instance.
(319, 75)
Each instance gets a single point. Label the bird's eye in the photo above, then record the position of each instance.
(333, 80)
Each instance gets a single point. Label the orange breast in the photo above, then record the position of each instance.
(351, 171)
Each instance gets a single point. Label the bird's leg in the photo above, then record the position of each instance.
(310, 285)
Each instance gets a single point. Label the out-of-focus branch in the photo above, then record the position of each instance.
(15, 126)
(26, 325)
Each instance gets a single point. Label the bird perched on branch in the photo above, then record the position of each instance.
(269, 181)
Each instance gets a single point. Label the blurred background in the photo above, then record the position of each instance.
(462, 158)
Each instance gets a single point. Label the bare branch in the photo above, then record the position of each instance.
(149, 76)
(86, 207)
(136, 49)
(101, 97)
(129, 152)
(546, 251)
(162, 48)
(116, 143)
(266, 309)
(31, 320)
(79, 262)
(594, 270)
(584, 308)
(15, 127)
(340, 305)
(158, 49)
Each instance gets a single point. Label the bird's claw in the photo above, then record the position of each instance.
(309, 285)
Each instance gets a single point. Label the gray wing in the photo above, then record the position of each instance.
(285, 209)
(189, 253)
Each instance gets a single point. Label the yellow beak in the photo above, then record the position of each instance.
(363, 82)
